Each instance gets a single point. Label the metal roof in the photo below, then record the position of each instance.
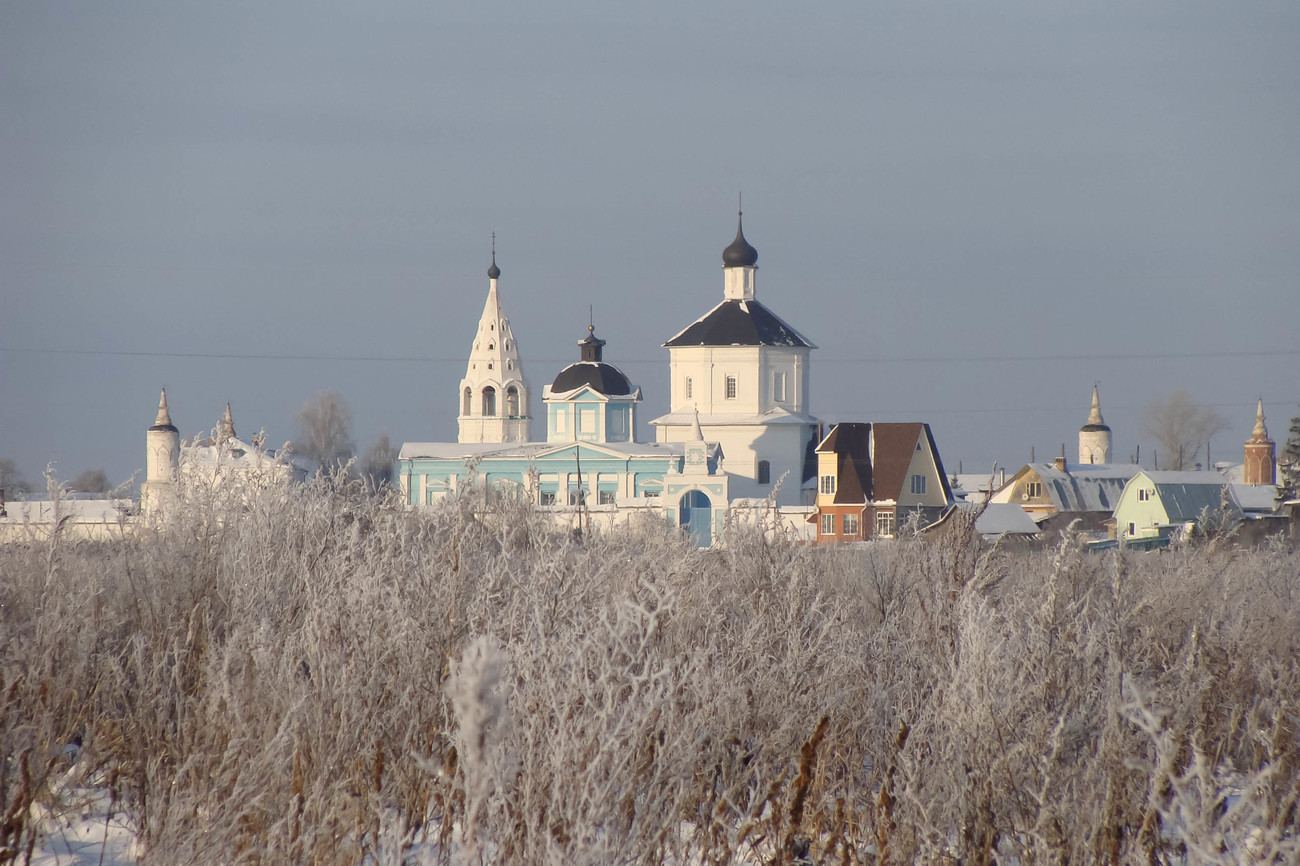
(740, 323)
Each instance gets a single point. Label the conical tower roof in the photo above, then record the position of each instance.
(1095, 422)
(164, 420)
(1260, 433)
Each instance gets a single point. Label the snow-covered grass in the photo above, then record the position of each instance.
(316, 675)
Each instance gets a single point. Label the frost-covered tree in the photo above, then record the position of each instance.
(1181, 429)
(377, 465)
(11, 480)
(325, 430)
(90, 481)
(1288, 463)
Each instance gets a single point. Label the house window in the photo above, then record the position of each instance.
(828, 524)
(918, 485)
(1033, 489)
(885, 524)
(606, 497)
(577, 496)
(1132, 530)
(1144, 495)
(616, 418)
(828, 484)
(778, 387)
(547, 497)
(850, 524)
(690, 388)
(731, 387)
(764, 472)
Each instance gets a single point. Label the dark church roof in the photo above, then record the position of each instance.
(739, 323)
(601, 377)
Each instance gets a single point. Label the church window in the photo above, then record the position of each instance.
(731, 387)
(764, 472)
(512, 401)
(828, 524)
(690, 388)
(510, 365)
(616, 422)
(850, 524)
(467, 402)
(778, 387)
(918, 485)
(491, 346)
(489, 401)
(885, 524)
(828, 484)
(492, 327)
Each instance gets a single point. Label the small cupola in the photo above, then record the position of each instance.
(740, 254)
(592, 346)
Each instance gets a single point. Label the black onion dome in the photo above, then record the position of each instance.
(494, 271)
(601, 377)
(740, 253)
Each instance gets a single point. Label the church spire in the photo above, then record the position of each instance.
(1094, 414)
(1260, 433)
(225, 427)
(493, 396)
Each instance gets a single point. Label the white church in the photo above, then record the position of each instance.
(739, 432)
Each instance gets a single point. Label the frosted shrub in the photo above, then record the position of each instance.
(316, 675)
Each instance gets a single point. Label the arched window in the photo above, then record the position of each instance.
(764, 472)
(512, 401)
(467, 401)
(489, 401)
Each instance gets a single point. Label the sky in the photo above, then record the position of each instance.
(975, 210)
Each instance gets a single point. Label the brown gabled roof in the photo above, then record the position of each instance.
(895, 445)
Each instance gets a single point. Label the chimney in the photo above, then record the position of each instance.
(1059, 462)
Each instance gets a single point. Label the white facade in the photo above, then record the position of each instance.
(162, 456)
(493, 398)
(746, 373)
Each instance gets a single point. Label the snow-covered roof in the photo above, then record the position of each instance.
(1084, 486)
(76, 510)
(736, 322)
(1002, 518)
(1255, 498)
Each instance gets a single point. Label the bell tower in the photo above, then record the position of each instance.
(493, 397)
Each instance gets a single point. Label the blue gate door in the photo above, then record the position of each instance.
(696, 516)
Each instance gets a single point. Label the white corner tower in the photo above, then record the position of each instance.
(1094, 436)
(162, 457)
(493, 397)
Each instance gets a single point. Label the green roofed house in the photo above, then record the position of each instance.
(1166, 504)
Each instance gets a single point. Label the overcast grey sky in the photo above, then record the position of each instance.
(976, 210)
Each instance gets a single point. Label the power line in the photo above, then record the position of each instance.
(863, 359)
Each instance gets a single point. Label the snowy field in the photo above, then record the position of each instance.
(320, 676)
